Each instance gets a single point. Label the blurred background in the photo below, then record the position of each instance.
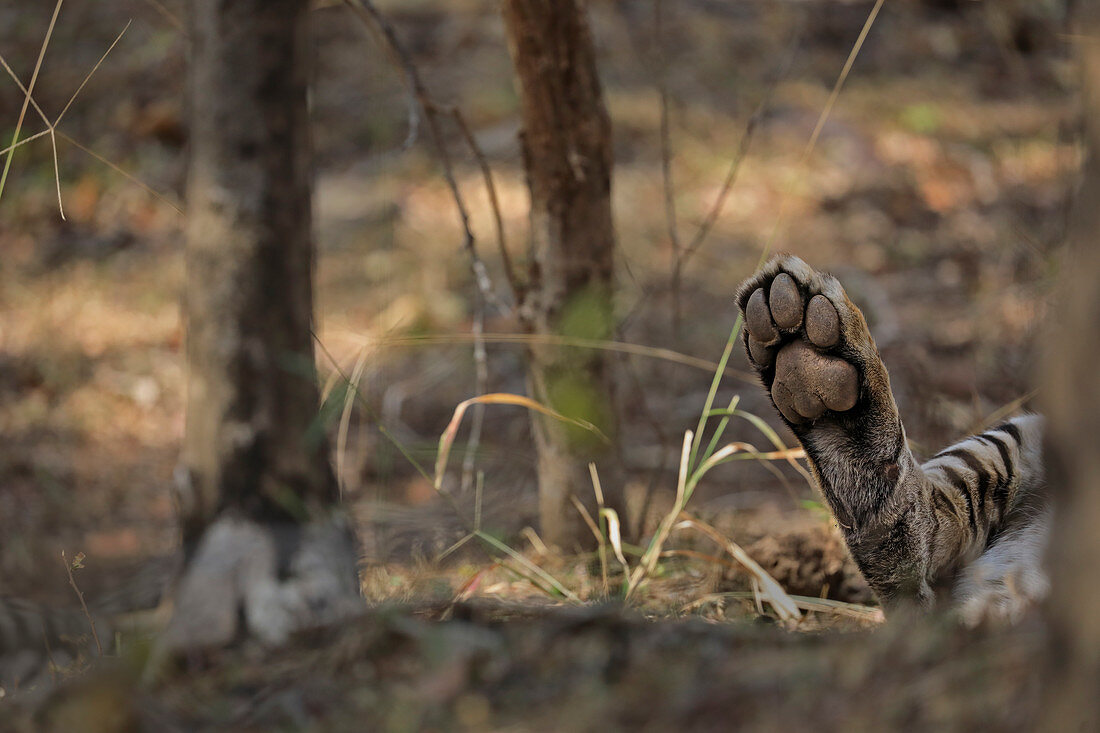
(938, 192)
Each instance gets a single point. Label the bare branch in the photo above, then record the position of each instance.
(80, 595)
(376, 22)
(27, 95)
(125, 174)
(481, 366)
(168, 15)
(742, 150)
(666, 142)
(822, 118)
(88, 77)
(487, 174)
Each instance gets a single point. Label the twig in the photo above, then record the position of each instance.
(374, 20)
(742, 150)
(54, 133)
(666, 143)
(52, 666)
(487, 173)
(822, 118)
(83, 605)
(624, 347)
(124, 173)
(481, 369)
(27, 94)
(370, 15)
(684, 254)
(95, 68)
(353, 385)
(168, 15)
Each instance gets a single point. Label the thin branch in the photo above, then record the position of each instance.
(51, 127)
(95, 68)
(57, 174)
(168, 14)
(24, 141)
(822, 118)
(841, 79)
(666, 143)
(742, 151)
(26, 93)
(370, 16)
(50, 130)
(413, 116)
(624, 347)
(684, 255)
(494, 202)
(481, 387)
(80, 596)
(27, 96)
(666, 165)
(125, 174)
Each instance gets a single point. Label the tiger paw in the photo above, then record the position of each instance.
(806, 339)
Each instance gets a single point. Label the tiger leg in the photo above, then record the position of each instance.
(910, 529)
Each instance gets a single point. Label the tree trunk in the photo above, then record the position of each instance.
(566, 144)
(257, 495)
(1072, 393)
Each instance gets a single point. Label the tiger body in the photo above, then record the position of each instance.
(967, 528)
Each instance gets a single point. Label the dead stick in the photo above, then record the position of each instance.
(83, 605)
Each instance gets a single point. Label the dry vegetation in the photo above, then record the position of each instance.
(937, 190)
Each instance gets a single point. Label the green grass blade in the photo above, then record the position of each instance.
(698, 439)
(763, 427)
(720, 429)
(535, 570)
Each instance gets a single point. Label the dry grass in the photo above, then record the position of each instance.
(948, 196)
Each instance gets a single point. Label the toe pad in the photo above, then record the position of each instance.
(785, 301)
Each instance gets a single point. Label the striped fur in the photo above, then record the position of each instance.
(34, 637)
(38, 643)
(967, 527)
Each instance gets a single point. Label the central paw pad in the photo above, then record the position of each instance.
(795, 330)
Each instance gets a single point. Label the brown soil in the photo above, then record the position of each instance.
(937, 192)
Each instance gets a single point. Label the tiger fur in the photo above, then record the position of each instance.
(37, 641)
(966, 528)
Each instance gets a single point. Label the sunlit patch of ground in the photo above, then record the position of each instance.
(937, 192)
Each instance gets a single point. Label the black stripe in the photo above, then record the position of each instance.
(964, 489)
(979, 470)
(1000, 491)
(1011, 429)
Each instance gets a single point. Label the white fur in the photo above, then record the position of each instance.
(1008, 578)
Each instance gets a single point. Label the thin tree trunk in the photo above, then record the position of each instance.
(257, 492)
(1072, 393)
(567, 153)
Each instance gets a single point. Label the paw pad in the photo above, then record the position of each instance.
(794, 331)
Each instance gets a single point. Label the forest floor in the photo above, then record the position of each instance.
(937, 191)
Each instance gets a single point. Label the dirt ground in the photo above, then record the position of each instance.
(937, 191)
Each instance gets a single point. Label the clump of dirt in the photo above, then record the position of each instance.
(812, 561)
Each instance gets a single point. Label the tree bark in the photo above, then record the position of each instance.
(1072, 393)
(257, 494)
(567, 154)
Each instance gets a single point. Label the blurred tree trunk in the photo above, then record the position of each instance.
(567, 154)
(262, 538)
(1072, 391)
